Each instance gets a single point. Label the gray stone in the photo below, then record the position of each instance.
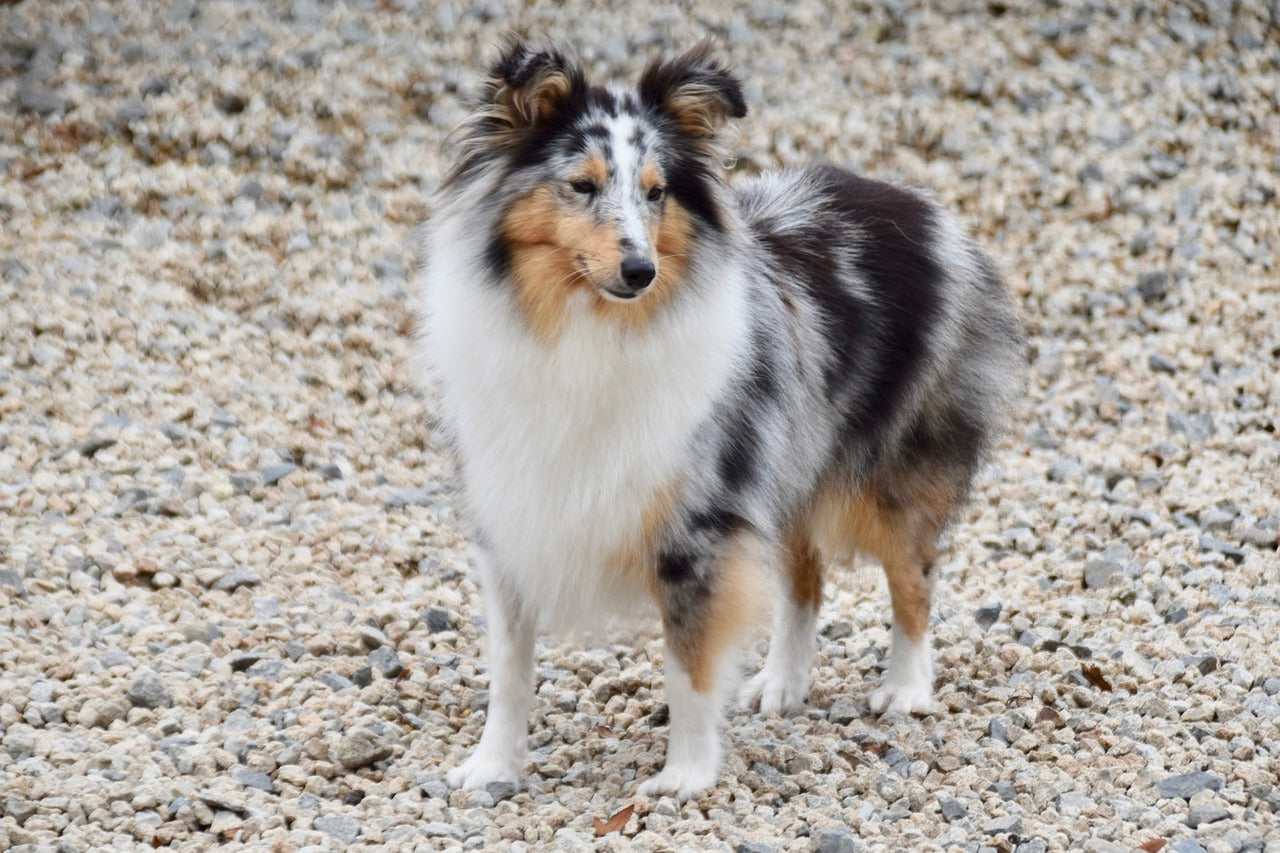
(998, 728)
(1113, 131)
(767, 772)
(1064, 468)
(1184, 206)
(500, 791)
(236, 578)
(255, 779)
(340, 826)
(273, 474)
(754, 847)
(221, 802)
(843, 711)
(360, 749)
(19, 809)
(1187, 785)
(838, 630)
(35, 97)
(1209, 543)
(1216, 518)
(245, 481)
(1153, 286)
(334, 681)
(437, 619)
(386, 661)
(479, 800)
(421, 496)
(1099, 573)
(1035, 845)
(132, 109)
(1197, 427)
(149, 691)
(834, 841)
(440, 829)
(1260, 537)
(1161, 363)
(1206, 814)
(434, 789)
(952, 809)
(240, 720)
(1188, 845)
(988, 615)
(11, 580)
(1163, 166)
(1003, 825)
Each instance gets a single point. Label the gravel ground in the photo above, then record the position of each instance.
(234, 604)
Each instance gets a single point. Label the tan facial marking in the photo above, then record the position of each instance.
(554, 251)
(649, 177)
(595, 171)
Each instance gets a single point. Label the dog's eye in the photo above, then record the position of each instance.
(583, 187)
(656, 193)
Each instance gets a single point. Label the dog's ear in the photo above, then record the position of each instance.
(527, 85)
(695, 89)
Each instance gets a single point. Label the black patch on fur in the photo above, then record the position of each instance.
(677, 566)
(690, 180)
(715, 520)
(604, 99)
(739, 455)
(877, 343)
(580, 138)
(762, 383)
(497, 256)
(957, 442)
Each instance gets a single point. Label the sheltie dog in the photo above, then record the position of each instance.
(664, 389)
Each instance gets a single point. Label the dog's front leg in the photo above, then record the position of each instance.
(504, 742)
(707, 603)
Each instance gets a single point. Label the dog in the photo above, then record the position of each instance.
(664, 389)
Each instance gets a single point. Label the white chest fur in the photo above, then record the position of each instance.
(564, 448)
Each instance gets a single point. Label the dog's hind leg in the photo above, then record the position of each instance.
(899, 522)
(509, 642)
(783, 681)
(708, 604)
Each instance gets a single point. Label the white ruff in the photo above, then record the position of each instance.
(563, 448)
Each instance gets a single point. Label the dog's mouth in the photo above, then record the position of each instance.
(621, 293)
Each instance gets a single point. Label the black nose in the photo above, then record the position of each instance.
(637, 272)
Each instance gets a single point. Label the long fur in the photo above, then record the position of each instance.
(817, 366)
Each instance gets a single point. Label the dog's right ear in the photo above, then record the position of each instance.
(527, 86)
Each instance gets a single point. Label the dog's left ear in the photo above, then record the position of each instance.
(695, 89)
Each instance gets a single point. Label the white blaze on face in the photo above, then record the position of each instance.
(626, 194)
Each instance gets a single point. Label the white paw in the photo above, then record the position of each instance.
(903, 699)
(481, 769)
(680, 782)
(772, 693)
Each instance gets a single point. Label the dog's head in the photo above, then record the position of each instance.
(603, 187)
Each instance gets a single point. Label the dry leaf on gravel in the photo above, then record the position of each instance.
(615, 823)
(1095, 676)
